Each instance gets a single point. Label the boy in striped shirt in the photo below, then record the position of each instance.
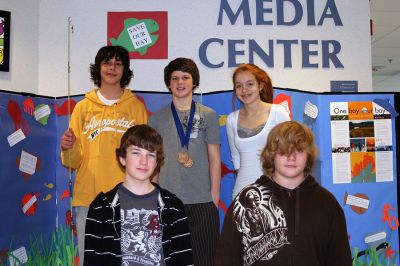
(138, 222)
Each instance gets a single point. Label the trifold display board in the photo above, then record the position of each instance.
(355, 134)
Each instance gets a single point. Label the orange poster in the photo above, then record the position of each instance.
(360, 111)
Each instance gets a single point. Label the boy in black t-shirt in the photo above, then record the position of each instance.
(285, 217)
(137, 222)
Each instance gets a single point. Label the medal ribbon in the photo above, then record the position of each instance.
(183, 137)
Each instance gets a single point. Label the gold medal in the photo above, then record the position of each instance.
(182, 156)
(188, 163)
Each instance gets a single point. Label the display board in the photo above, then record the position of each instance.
(355, 134)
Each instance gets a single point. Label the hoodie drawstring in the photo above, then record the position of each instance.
(115, 124)
(102, 117)
(297, 213)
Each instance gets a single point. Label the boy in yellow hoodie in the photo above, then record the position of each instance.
(96, 127)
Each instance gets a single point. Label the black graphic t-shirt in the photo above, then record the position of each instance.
(141, 233)
(268, 224)
(261, 222)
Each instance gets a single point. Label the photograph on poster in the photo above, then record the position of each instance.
(370, 144)
(361, 129)
(357, 145)
(5, 19)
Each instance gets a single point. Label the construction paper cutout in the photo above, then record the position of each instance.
(49, 185)
(285, 101)
(222, 120)
(27, 175)
(222, 206)
(29, 203)
(29, 106)
(42, 113)
(375, 239)
(69, 220)
(392, 221)
(136, 36)
(144, 102)
(27, 163)
(48, 197)
(311, 110)
(16, 116)
(386, 104)
(63, 109)
(65, 194)
(15, 137)
(3, 255)
(225, 170)
(18, 256)
(389, 252)
(358, 202)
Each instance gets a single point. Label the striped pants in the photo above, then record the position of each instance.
(203, 222)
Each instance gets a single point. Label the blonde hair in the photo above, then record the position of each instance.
(285, 138)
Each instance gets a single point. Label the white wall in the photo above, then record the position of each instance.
(23, 75)
(41, 66)
(89, 19)
(386, 83)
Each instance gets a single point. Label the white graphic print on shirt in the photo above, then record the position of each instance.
(141, 237)
(97, 126)
(261, 222)
(198, 125)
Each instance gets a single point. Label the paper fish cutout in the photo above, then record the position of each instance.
(222, 120)
(63, 109)
(29, 203)
(65, 194)
(42, 113)
(49, 185)
(48, 197)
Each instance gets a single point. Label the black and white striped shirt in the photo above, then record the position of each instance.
(103, 230)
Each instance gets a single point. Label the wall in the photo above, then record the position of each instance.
(41, 67)
(189, 25)
(23, 75)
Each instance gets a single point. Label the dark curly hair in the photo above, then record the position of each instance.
(145, 137)
(184, 65)
(105, 54)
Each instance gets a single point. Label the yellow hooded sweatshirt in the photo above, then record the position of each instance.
(98, 129)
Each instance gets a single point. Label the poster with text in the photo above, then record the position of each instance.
(361, 134)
